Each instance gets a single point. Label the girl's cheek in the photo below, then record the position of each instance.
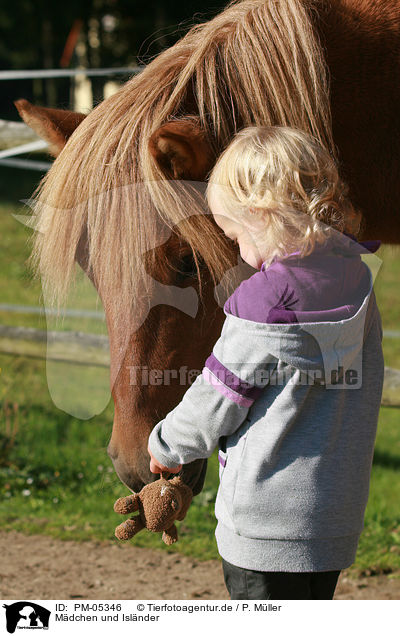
(243, 252)
(249, 257)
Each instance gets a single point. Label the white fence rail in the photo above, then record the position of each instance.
(68, 72)
(65, 346)
(15, 133)
(71, 313)
(93, 350)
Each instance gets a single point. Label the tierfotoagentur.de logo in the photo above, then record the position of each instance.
(26, 615)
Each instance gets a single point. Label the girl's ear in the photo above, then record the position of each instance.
(51, 124)
(256, 218)
(181, 149)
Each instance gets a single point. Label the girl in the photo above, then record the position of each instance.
(292, 389)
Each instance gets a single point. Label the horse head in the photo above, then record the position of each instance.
(124, 194)
(173, 334)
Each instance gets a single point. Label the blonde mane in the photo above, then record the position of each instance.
(259, 62)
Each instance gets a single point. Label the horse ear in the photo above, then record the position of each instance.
(181, 149)
(54, 125)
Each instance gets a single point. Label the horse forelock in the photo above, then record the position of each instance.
(259, 62)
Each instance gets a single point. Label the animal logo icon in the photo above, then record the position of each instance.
(25, 614)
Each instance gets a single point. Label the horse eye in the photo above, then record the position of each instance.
(187, 267)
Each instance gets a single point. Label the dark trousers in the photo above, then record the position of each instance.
(251, 584)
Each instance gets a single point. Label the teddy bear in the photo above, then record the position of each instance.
(159, 503)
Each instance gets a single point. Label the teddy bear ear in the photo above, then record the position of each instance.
(175, 504)
(176, 481)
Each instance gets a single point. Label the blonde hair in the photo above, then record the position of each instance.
(288, 179)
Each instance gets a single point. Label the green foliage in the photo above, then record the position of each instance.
(387, 292)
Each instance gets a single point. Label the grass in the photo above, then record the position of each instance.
(56, 479)
(379, 548)
(55, 476)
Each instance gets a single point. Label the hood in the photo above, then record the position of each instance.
(324, 345)
(342, 244)
(328, 352)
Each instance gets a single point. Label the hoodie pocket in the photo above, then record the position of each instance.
(222, 457)
(229, 458)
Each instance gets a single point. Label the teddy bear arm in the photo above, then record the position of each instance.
(124, 505)
(129, 528)
(170, 535)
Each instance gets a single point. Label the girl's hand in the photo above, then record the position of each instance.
(156, 467)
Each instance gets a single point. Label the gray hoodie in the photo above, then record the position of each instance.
(291, 395)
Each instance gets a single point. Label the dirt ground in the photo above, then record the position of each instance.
(41, 567)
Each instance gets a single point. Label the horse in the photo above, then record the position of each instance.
(129, 171)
